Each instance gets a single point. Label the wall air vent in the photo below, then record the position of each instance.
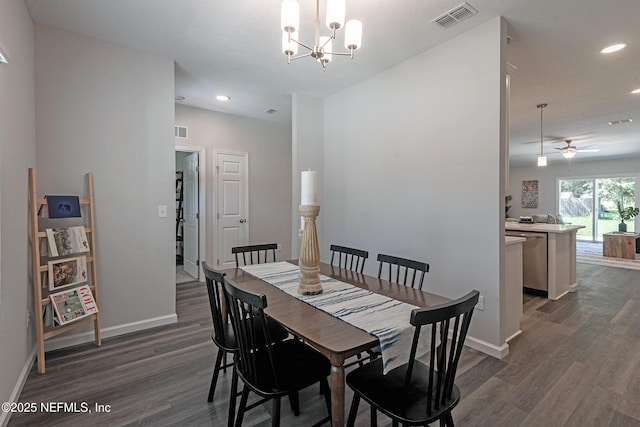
(181, 132)
(455, 15)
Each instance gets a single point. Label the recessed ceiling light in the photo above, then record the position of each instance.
(636, 90)
(613, 48)
(223, 97)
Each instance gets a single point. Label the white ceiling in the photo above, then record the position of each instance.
(233, 48)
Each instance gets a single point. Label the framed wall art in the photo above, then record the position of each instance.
(530, 194)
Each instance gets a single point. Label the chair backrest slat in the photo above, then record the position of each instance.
(446, 345)
(260, 251)
(252, 334)
(214, 280)
(347, 257)
(413, 269)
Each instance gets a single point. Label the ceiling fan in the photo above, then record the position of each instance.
(570, 150)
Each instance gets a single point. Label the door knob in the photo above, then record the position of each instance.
(242, 220)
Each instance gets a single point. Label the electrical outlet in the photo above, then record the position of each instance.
(28, 319)
(480, 304)
(162, 211)
(279, 246)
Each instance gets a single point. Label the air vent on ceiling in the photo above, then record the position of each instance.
(455, 15)
(181, 132)
(619, 122)
(270, 111)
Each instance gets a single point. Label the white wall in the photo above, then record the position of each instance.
(307, 153)
(109, 110)
(269, 148)
(413, 168)
(548, 182)
(17, 154)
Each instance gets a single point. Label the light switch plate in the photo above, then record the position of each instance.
(162, 211)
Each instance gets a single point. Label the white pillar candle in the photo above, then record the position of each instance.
(309, 188)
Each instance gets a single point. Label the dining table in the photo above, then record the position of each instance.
(336, 339)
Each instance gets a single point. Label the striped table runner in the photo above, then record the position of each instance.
(379, 315)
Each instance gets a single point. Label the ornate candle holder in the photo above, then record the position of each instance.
(309, 252)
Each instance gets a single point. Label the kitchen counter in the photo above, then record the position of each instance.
(542, 227)
(561, 255)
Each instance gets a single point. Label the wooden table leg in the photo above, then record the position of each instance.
(337, 395)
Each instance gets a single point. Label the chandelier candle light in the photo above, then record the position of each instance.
(322, 49)
(309, 262)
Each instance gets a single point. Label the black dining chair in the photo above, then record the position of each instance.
(274, 370)
(349, 258)
(416, 393)
(257, 254)
(222, 335)
(412, 270)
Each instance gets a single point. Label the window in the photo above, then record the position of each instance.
(592, 202)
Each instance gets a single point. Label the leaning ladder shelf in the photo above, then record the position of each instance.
(40, 291)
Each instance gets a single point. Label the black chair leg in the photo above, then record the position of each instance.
(353, 412)
(374, 416)
(447, 420)
(243, 405)
(294, 401)
(214, 379)
(232, 397)
(326, 391)
(275, 417)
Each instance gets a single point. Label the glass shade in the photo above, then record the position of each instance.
(289, 47)
(353, 34)
(290, 16)
(335, 14)
(542, 160)
(568, 153)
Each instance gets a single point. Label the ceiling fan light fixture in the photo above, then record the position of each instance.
(613, 48)
(635, 91)
(568, 152)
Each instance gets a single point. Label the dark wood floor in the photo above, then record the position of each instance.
(577, 363)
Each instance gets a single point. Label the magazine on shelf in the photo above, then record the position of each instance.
(67, 272)
(67, 241)
(73, 304)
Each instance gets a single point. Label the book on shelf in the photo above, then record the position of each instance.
(67, 241)
(73, 304)
(67, 272)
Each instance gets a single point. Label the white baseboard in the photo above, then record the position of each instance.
(17, 389)
(84, 337)
(573, 288)
(487, 348)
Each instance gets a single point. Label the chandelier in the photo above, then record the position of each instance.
(322, 49)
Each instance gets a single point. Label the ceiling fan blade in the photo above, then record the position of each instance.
(589, 148)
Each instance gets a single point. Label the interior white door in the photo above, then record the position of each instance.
(191, 209)
(231, 205)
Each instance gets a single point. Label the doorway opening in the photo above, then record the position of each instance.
(190, 206)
